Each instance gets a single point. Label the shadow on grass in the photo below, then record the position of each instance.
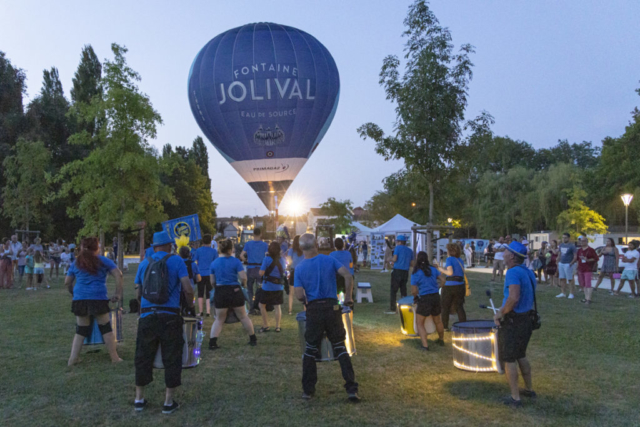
(548, 405)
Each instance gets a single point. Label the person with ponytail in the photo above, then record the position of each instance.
(272, 272)
(87, 282)
(424, 287)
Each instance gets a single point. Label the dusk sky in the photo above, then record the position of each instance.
(546, 70)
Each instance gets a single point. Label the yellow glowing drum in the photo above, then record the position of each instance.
(408, 326)
(475, 346)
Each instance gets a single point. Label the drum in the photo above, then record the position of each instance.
(475, 346)
(95, 336)
(326, 349)
(408, 319)
(192, 335)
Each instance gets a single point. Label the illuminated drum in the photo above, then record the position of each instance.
(326, 349)
(192, 335)
(475, 346)
(95, 336)
(408, 319)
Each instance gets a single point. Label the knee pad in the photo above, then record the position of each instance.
(105, 329)
(310, 351)
(83, 331)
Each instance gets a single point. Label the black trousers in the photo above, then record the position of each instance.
(159, 329)
(398, 281)
(325, 317)
(453, 299)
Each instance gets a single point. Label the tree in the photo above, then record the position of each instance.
(120, 180)
(339, 212)
(430, 100)
(245, 221)
(25, 174)
(86, 88)
(201, 157)
(190, 190)
(579, 218)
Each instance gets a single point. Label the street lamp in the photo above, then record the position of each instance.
(626, 199)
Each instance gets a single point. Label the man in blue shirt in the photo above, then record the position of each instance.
(514, 319)
(402, 262)
(345, 259)
(315, 285)
(204, 256)
(161, 324)
(252, 255)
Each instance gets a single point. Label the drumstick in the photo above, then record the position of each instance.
(490, 308)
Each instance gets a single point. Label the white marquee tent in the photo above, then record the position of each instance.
(396, 225)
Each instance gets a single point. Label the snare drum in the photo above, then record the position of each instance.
(326, 348)
(475, 346)
(192, 335)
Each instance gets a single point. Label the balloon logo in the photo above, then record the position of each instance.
(264, 95)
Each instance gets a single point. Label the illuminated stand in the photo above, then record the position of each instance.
(408, 326)
(475, 346)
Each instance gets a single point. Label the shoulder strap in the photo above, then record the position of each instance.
(274, 264)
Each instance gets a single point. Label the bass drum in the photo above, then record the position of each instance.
(192, 335)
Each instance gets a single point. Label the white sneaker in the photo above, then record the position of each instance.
(560, 295)
(570, 296)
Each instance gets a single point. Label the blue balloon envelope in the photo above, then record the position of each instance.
(264, 95)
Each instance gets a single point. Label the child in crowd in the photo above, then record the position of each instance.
(38, 270)
(22, 255)
(65, 258)
(28, 269)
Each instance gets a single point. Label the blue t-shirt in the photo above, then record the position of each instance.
(426, 284)
(458, 270)
(345, 258)
(91, 286)
(405, 256)
(524, 278)
(317, 276)
(268, 286)
(256, 251)
(149, 252)
(204, 256)
(177, 270)
(226, 269)
(295, 258)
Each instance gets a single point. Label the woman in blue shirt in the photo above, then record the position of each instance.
(272, 272)
(454, 289)
(226, 274)
(295, 257)
(424, 288)
(87, 282)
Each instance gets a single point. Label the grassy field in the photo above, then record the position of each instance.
(585, 366)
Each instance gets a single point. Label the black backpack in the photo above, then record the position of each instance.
(155, 286)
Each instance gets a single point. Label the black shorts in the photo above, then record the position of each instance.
(90, 307)
(271, 297)
(228, 296)
(205, 284)
(513, 337)
(429, 305)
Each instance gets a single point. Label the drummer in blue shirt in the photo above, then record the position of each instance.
(252, 255)
(295, 256)
(424, 288)
(402, 262)
(345, 258)
(204, 256)
(226, 274)
(87, 282)
(454, 289)
(161, 324)
(272, 272)
(515, 322)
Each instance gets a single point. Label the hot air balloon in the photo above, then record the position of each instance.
(264, 95)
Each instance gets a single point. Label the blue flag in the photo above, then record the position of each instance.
(186, 226)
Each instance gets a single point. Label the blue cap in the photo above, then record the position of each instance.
(161, 238)
(518, 249)
(401, 238)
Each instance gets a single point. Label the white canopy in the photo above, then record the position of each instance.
(362, 229)
(397, 224)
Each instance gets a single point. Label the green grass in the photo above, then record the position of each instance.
(585, 370)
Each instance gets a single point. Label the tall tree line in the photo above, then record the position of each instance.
(80, 165)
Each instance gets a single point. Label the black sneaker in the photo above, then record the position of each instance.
(208, 315)
(440, 343)
(213, 345)
(139, 406)
(307, 396)
(171, 408)
(528, 393)
(511, 402)
(253, 343)
(353, 397)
